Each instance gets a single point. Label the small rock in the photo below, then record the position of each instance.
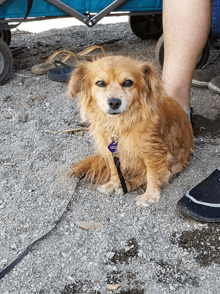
(8, 164)
(38, 98)
(50, 179)
(110, 254)
(13, 246)
(81, 134)
(90, 225)
(65, 255)
(34, 52)
(113, 286)
(8, 116)
(22, 117)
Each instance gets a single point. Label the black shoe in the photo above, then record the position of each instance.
(202, 202)
(61, 72)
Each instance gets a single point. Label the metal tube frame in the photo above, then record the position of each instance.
(90, 19)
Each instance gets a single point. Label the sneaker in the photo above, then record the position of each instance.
(203, 76)
(202, 202)
(214, 85)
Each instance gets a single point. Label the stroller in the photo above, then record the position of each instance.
(145, 18)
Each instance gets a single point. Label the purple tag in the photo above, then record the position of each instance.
(112, 147)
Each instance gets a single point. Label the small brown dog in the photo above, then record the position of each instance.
(123, 97)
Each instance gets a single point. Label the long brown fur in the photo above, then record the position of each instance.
(155, 138)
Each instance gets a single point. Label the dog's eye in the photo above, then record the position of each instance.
(127, 83)
(101, 84)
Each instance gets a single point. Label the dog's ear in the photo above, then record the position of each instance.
(77, 82)
(153, 82)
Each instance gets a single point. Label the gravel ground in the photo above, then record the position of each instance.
(136, 250)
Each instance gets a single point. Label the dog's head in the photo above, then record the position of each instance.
(114, 84)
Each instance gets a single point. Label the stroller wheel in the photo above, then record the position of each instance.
(6, 62)
(159, 54)
(146, 26)
(5, 35)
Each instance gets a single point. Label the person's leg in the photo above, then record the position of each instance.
(186, 25)
(186, 28)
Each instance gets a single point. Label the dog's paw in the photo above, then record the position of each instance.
(147, 199)
(118, 190)
(111, 188)
(105, 189)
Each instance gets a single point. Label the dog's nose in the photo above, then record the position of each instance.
(114, 103)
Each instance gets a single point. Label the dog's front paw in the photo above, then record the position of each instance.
(105, 189)
(110, 188)
(118, 189)
(147, 199)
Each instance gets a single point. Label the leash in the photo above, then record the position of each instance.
(113, 149)
(29, 247)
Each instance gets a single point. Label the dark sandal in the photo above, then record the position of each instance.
(61, 72)
(202, 202)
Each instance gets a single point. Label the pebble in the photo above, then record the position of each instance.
(110, 254)
(65, 255)
(13, 246)
(8, 116)
(171, 288)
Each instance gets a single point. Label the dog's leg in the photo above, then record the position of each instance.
(114, 184)
(156, 178)
(151, 195)
(136, 182)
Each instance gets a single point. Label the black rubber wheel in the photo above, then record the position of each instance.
(6, 62)
(5, 35)
(159, 54)
(147, 26)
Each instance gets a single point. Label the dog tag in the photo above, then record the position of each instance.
(112, 146)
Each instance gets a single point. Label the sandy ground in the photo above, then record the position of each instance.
(143, 250)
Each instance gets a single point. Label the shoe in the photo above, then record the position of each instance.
(214, 85)
(61, 72)
(63, 56)
(67, 57)
(203, 76)
(202, 202)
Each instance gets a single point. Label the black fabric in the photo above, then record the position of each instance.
(6, 26)
(215, 19)
(208, 190)
(197, 211)
(17, 260)
(122, 180)
(61, 73)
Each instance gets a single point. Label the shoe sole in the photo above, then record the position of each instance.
(182, 210)
(199, 84)
(202, 201)
(213, 88)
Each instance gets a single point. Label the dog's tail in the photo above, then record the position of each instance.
(94, 168)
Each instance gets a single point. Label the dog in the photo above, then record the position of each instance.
(125, 98)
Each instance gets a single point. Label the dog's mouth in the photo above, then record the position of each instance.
(114, 113)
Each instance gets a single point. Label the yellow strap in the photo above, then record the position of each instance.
(92, 48)
(52, 57)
